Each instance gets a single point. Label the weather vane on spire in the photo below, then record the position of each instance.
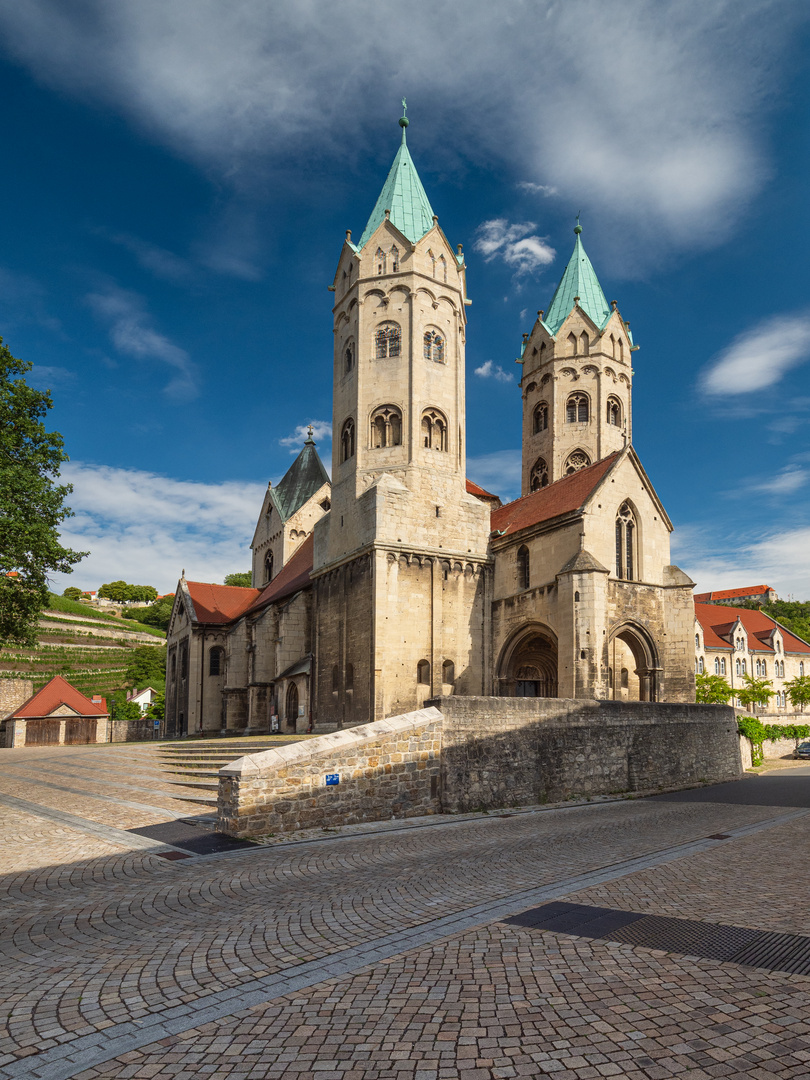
(578, 227)
(403, 120)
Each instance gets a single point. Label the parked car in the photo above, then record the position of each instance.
(802, 750)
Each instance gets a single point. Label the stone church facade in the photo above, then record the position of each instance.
(401, 580)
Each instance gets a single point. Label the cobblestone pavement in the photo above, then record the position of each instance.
(383, 955)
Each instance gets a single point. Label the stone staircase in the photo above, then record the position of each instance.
(199, 761)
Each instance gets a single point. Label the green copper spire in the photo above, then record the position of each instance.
(403, 195)
(579, 280)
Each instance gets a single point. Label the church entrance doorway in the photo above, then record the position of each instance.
(528, 664)
(632, 665)
(292, 707)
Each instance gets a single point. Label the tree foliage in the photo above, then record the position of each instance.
(157, 614)
(244, 579)
(121, 709)
(798, 691)
(147, 667)
(121, 591)
(32, 503)
(72, 593)
(157, 710)
(754, 691)
(711, 689)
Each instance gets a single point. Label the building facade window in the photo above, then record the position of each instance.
(722, 665)
(347, 440)
(801, 669)
(387, 341)
(448, 673)
(614, 412)
(380, 259)
(215, 657)
(423, 673)
(434, 346)
(434, 430)
(577, 409)
(576, 461)
(394, 259)
(268, 566)
(626, 546)
(348, 358)
(539, 475)
(540, 418)
(701, 666)
(386, 427)
(523, 567)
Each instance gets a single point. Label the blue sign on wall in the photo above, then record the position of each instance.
(332, 778)
(157, 723)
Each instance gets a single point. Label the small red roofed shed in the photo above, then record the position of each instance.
(56, 715)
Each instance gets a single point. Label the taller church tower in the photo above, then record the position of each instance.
(401, 559)
(577, 378)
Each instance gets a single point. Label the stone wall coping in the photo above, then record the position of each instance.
(334, 741)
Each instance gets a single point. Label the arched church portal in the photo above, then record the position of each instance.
(633, 664)
(292, 706)
(528, 664)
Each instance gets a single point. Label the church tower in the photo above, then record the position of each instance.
(577, 378)
(403, 543)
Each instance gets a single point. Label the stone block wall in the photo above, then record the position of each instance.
(391, 768)
(519, 751)
(13, 693)
(132, 730)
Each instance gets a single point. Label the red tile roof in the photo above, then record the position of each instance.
(717, 620)
(217, 604)
(733, 594)
(479, 492)
(562, 497)
(55, 693)
(292, 577)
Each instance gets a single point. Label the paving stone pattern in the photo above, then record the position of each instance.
(382, 955)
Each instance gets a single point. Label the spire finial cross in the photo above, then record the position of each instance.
(403, 120)
(309, 433)
(404, 107)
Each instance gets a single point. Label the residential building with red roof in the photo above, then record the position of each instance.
(400, 580)
(763, 594)
(56, 715)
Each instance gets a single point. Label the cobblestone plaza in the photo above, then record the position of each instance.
(387, 951)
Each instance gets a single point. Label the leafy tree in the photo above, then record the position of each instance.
(147, 667)
(755, 691)
(72, 593)
(121, 709)
(244, 580)
(157, 710)
(32, 503)
(115, 590)
(157, 614)
(711, 689)
(798, 691)
(143, 593)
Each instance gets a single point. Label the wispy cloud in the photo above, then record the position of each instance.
(157, 260)
(760, 357)
(321, 432)
(45, 377)
(498, 472)
(491, 370)
(537, 189)
(131, 333)
(515, 244)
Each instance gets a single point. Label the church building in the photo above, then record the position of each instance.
(400, 580)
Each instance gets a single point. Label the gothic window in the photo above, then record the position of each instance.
(576, 461)
(434, 430)
(717, 665)
(540, 421)
(268, 566)
(348, 358)
(432, 262)
(523, 567)
(614, 412)
(626, 546)
(539, 475)
(394, 259)
(619, 350)
(576, 409)
(697, 641)
(801, 669)
(584, 344)
(388, 341)
(572, 344)
(434, 346)
(380, 257)
(442, 268)
(448, 673)
(215, 661)
(745, 667)
(386, 427)
(739, 670)
(423, 673)
(759, 667)
(700, 666)
(722, 665)
(347, 440)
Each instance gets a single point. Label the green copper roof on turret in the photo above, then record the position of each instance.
(579, 280)
(403, 195)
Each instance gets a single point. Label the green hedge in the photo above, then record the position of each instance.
(759, 733)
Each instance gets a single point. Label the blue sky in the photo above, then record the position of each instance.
(179, 174)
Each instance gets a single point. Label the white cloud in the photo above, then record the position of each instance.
(160, 262)
(321, 432)
(490, 370)
(146, 528)
(537, 189)
(525, 253)
(132, 334)
(647, 111)
(760, 357)
(787, 481)
(498, 472)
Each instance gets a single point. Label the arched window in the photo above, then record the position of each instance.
(387, 341)
(434, 430)
(626, 546)
(432, 262)
(292, 704)
(620, 350)
(434, 346)
(584, 344)
(347, 440)
(394, 259)
(624, 678)
(572, 344)
(614, 412)
(577, 409)
(380, 257)
(697, 641)
(717, 665)
(348, 358)
(539, 476)
(268, 566)
(739, 667)
(423, 673)
(523, 567)
(576, 461)
(442, 268)
(386, 427)
(745, 667)
(448, 673)
(540, 417)
(722, 665)
(801, 669)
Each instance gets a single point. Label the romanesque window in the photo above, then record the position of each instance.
(434, 430)
(394, 259)
(434, 346)
(523, 567)
(174, 666)
(448, 673)
(386, 427)
(388, 341)
(576, 461)
(380, 257)
(347, 440)
(423, 673)
(577, 409)
(540, 417)
(539, 475)
(348, 358)
(215, 661)
(626, 545)
(614, 412)
(268, 566)
(442, 268)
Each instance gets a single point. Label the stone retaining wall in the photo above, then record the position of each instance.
(390, 768)
(133, 730)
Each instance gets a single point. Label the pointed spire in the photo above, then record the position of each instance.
(402, 196)
(579, 284)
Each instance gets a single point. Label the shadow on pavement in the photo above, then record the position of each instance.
(194, 836)
(788, 788)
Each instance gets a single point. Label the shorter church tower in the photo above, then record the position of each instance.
(577, 378)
